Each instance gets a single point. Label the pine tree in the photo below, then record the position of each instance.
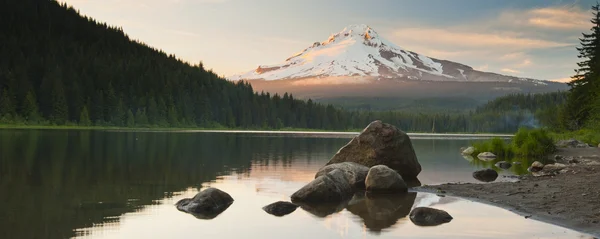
(140, 117)
(30, 109)
(130, 119)
(7, 106)
(60, 110)
(84, 117)
(584, 86)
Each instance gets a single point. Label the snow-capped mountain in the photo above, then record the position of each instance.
(358, 52)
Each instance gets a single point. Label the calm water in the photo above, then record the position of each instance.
(92, 184)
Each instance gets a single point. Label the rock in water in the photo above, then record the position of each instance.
(354, 173)
(382, 179)
(331, 187)
(425, 216)
(469, 151)
(485, 175)
(486, 156)
(280, 208)
(503, 165)
(381, 144)
(207, 204)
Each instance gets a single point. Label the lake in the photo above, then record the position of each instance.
(110, 184)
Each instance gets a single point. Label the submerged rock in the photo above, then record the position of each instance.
(355, 173)
(207, 204)
(330, 187)
(280, 208)
(469, 151)
(382, 179)
(425, 216)
(486, 156)
(381, 144)
(485, 175)
(503, 165)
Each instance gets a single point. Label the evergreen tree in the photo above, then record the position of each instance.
(140, 117)
(130, 119)
(584, 85)
(30, 109)
(7, 106)
(84, 117)
(60, 110)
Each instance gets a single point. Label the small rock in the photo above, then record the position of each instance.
(382, 179)
(503, 165)
(485, 175)
(206, 204)
(425, 216)
(486, 156)
(468, 151)
(553, 167)
(572, 143)
(280, 208)
(558, 157)
(536, 167)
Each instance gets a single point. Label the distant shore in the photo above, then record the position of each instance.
(231, 130)
(569, 199)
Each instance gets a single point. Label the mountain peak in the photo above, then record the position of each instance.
(359, 51)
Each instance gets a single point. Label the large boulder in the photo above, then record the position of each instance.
(280, 208)
(381, 144)
(485, 175)
(207, 204)
(330, 187)
(354, 173)
(382, 179)
(425, 216)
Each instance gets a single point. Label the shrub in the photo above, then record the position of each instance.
(525, 143)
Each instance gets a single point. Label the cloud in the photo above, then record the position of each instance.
(564, 80)
(444, 37)
(562, 17)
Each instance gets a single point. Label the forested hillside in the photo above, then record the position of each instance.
(58, 67)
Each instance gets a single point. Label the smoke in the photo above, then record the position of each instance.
(521, 118)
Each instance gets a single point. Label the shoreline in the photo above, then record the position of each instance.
(569, 199)
(248, 131)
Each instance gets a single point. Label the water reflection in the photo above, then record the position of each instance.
(61, 184)
(379, 212)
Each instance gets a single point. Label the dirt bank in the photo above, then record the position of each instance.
(570, 199)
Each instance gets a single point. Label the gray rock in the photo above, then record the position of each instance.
(598, 145)
(354, 173)
(382, 179)
(485, 175)
(486, 156)
(572, 143)
(207, 204)
(425, 216)
(280, 208)
(469, 151)
(331, 187)
(554, 167)
(503, 165)
(381, 144)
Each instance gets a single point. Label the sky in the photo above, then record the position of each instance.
(526, 38)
